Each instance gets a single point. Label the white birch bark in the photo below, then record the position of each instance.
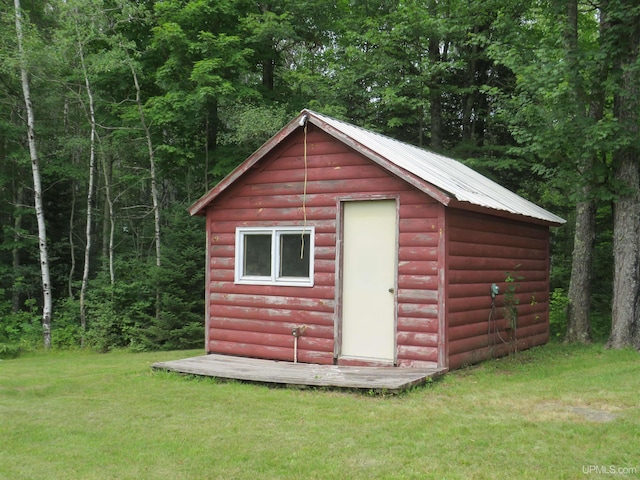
(90, 188)
(154, 183)
(47, 304)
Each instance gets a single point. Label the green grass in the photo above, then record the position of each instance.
(77, 415)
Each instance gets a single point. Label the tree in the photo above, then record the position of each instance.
(624, 46)
(47, 306)
(579, 295)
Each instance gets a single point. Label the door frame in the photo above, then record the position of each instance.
(340, 202)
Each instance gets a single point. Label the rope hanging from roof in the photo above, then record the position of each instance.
(304, 190)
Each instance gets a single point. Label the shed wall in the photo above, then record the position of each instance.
(482, 250)
(256, 321)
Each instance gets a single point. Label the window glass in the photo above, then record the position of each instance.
(278, 255)
(257, 255)
(294, 255)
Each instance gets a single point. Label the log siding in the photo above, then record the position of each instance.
(483, 250)
(457, 234)
(257, 320)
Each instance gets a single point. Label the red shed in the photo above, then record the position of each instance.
(333, 244)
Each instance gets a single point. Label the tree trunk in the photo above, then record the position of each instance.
(72, 244)
(15, 250)
(154, 182)
(435, 94)
(109, 224)
(72, 213)
(268, 72)
(579, 326)
(625, 316)
(47, 304)
(435, 101)
(578, 319)
(625, 321)
(90, 188)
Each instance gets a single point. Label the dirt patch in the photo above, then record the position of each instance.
(554, 410)
(594, 415)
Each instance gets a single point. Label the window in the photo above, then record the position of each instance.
(275, 256)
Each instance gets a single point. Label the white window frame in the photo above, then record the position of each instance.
(274, 278)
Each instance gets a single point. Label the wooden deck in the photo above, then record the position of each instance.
(389, 379)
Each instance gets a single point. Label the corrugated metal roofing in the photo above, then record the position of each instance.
(444, 178)
(449, 175)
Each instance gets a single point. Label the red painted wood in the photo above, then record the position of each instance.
(376, 185)
(410, 324)
(249, 350)
(413, 310)
(469, 358)
(417, 339)
(417, 267)
(298, 317)
(466, 304)
(292, 216)
(318, 143)
(434, 278)
(229, 227)
(279, 292)
(419, 238)
(272, 194)
(422, 282)
(415, 212)
(417, 253)
(221, 274)
(423, 297)
(316, 344)
(285, 200)
(272, 326)
(497, 276)
(539, 309)
(312, 356)
(272, 340)
(482, 249)
(495, 238)
(468, 344)
(266, 301)
(407, 363)
(470, 330)
(467, 221)
(496, 263)
(411, 352)
(334, 160)
(287, 177)
(498, 350)
(268, 352)
(483, 289)
(467, 249)
(325, 266)
(253, 338)
(361, 362)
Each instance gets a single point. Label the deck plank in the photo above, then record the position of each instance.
(391, 379)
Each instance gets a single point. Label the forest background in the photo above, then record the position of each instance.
(115, 115)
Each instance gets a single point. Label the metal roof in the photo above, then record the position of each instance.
(449, 175)
(451, 178)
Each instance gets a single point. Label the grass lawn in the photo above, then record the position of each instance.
(549, 413)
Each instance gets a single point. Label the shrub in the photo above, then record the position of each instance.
(558, 313)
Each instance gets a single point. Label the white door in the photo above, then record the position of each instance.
(368, 280)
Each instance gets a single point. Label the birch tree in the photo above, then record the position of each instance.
(153, 174)
(90, 188)
(47, 304)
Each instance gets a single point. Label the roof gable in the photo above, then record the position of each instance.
(441, 177)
